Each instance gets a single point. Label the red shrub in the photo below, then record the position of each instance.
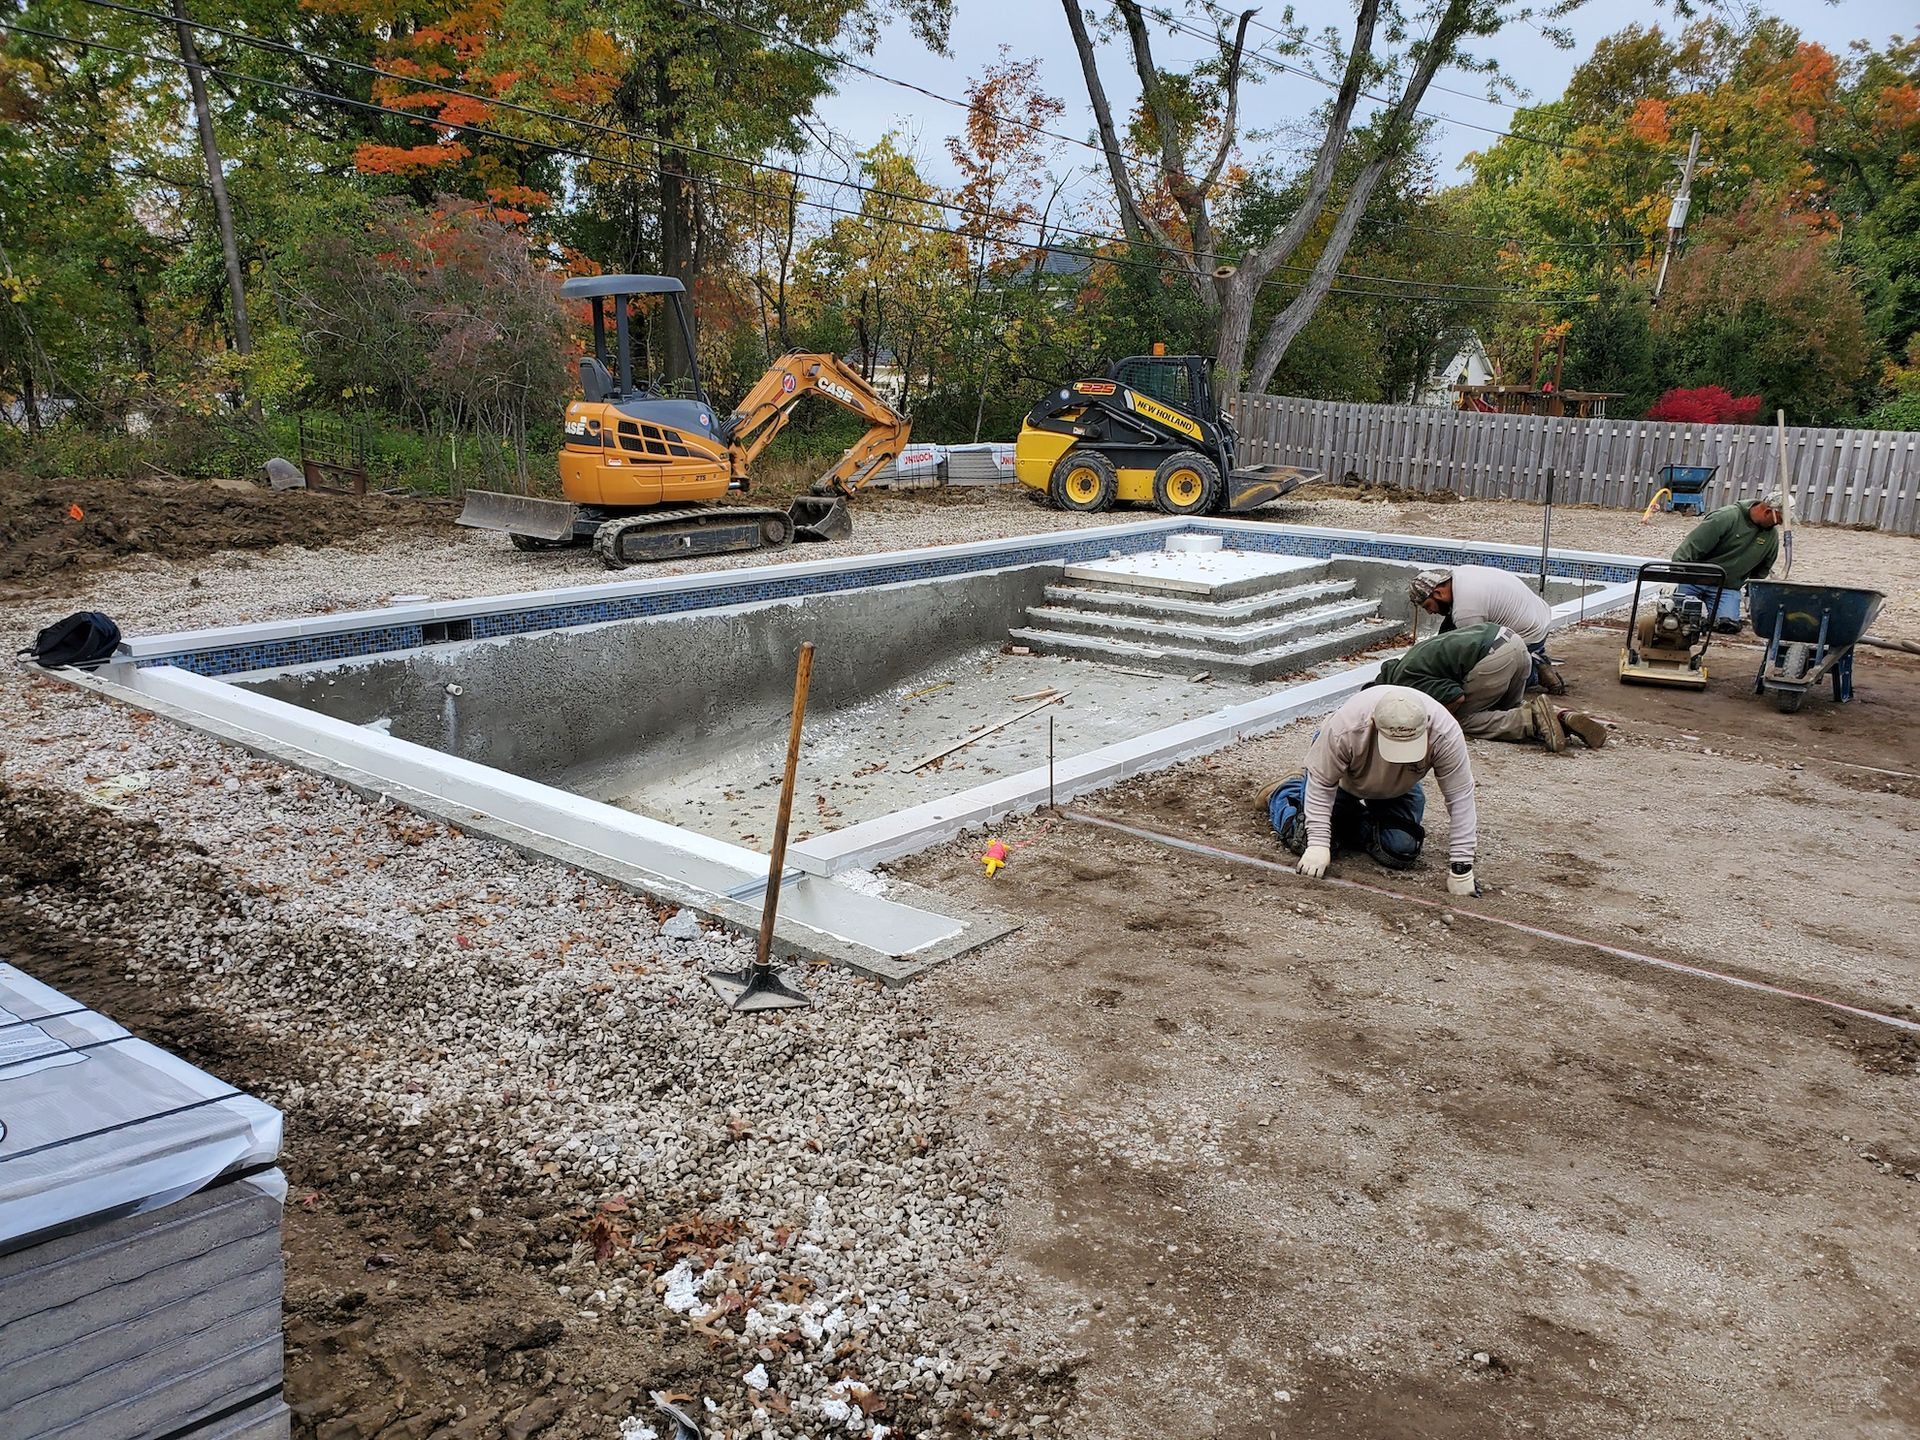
(1707, 405)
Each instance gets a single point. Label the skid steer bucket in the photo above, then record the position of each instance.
(519, 515)
(1255, 485)
(816, 517)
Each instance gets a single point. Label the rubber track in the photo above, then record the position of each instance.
(606, 539)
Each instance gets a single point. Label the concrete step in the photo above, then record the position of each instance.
(1287, 658)
(1162, 606)
(1222, 575)
(1212, 639)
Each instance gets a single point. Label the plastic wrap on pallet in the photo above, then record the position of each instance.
(988, 463)
(95, 1123)
(918, 465)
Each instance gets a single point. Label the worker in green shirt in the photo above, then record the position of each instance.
(1743, 540)
(1480, 674)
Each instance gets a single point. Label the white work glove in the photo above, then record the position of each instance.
(1460, 879)
(1314, 861)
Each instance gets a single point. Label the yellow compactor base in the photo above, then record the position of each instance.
(1678, 676)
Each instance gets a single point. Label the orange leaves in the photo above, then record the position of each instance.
(406, 160)
(1650, 122)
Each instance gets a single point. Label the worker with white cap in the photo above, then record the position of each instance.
(1743, 539)
(1361, 786)
(1468, 595)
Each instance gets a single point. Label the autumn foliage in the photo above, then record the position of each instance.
(1706, 405)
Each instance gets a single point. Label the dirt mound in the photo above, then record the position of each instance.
(40, 534)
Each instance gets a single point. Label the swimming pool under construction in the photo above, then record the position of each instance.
(635, 728)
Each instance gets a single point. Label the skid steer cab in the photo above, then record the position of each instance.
(1150, 432)
(645, 458)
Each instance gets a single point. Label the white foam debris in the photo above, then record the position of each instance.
(684, 925)
(382, 726)
(682, 1288)
(634, 1428)
(756, 1378)
(862, 882)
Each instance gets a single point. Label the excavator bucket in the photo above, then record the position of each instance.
(519, 515)
(817, 517)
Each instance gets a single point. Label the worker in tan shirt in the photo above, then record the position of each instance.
(1361, 786)
(1467, 595)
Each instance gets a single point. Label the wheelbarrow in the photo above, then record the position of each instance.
(1810, 631)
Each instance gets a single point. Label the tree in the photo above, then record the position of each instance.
(1002, 157)
(1756, 307)
(1190, 126)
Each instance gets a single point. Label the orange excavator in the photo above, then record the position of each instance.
(644, 459)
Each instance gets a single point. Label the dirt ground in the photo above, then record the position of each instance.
(40, 537)
(1307, 1162)
(406, 1316)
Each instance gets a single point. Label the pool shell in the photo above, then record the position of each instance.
(176, 675)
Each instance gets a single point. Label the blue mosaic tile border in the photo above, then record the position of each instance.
(1095, 545)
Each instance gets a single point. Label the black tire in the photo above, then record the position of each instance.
(1794, 664)
(1083, 480)
(1187, 483)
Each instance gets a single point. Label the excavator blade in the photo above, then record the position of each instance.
(519, 515)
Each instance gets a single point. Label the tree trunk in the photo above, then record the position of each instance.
(678, 254)
(30, 399)
(216, 179)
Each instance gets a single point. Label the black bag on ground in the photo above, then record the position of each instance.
(84, 639)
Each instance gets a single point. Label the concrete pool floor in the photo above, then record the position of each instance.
(855, 762)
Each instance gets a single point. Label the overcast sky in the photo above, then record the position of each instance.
(865, 108)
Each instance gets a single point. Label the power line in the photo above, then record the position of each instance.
(441, 124)
(833, 57)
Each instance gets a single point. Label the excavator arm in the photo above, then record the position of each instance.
(765, 410)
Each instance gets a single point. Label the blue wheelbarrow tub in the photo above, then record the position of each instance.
(1800, 608)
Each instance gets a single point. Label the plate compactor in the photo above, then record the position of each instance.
(1667, 642)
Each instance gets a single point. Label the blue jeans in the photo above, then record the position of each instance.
(1388, 830)
(1729, 610)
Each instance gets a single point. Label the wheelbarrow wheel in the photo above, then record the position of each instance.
(1794, 665)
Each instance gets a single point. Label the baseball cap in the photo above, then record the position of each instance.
(1400, 726)
(1425, 583)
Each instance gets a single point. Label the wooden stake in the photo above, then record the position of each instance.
(983, 732)
(777, 863)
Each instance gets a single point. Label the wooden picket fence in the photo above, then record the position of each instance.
(1841, 477)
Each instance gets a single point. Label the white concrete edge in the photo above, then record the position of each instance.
(888, 837)
(685, 861)
(621, 834)
(143, 647)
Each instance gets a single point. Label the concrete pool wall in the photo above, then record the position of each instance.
(554, 704)
(185, 676)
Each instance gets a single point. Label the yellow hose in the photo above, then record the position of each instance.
(1654, 504)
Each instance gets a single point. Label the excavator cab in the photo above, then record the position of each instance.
(604, 377)
(1183, 381)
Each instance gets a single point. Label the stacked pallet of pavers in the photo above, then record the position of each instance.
(140, 1269)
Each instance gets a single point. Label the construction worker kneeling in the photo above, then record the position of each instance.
(1361, 787)
(1480, 674)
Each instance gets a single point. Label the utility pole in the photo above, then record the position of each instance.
(1677, 216)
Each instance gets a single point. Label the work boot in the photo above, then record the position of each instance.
(1591, 732)
(1549, 677)
(1264, 801)
(1543, 720)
